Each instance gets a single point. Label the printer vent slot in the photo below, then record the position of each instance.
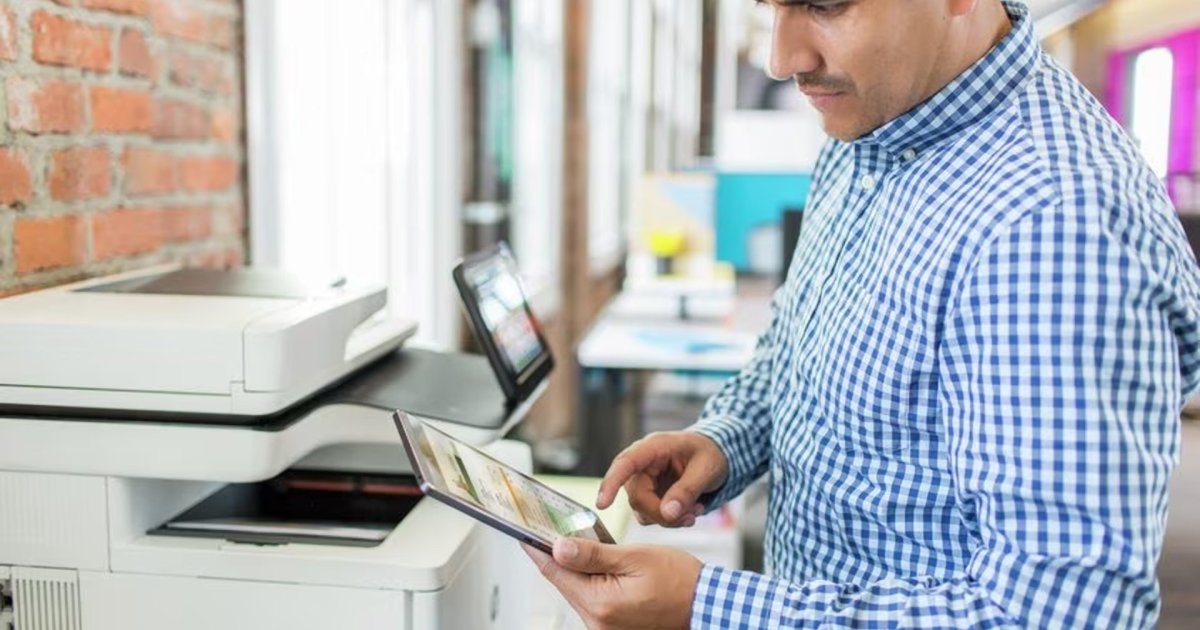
(45, 599)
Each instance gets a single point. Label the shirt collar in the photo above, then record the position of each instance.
(967, 99)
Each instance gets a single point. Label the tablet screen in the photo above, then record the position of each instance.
(469, 475)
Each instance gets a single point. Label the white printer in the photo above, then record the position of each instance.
(139, 410)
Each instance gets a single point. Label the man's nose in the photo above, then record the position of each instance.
(792, 46)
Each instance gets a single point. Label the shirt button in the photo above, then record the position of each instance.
(909, 155)
(867, 181)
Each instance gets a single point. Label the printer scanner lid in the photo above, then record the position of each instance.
(231, 342)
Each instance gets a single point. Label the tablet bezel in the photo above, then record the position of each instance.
(517, 386)
(410, 430)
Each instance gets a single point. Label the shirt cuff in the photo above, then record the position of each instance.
(728, 434)
(736, 599)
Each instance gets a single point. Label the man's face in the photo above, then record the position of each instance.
(861, 63)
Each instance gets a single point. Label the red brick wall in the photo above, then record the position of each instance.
(121, 140)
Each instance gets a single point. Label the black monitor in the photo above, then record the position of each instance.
(503, 322)
(1191, 227)
(793, 218)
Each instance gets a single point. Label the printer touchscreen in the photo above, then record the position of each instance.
(503, 322)
(470, 476)
(502, 305)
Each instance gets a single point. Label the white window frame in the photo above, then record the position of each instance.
(607, 107)
(538, 50)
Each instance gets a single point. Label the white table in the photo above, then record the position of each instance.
(620, 345)
(642, 344)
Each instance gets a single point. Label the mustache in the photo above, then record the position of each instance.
(822, 82)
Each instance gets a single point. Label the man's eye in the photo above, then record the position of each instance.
(826, 9)
(814, 8)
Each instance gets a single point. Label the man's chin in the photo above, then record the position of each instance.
(845, 128)
(840, 130)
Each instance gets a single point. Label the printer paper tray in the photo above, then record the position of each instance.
(423, 553)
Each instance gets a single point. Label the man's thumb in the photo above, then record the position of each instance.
(588, 556)
(680, 498)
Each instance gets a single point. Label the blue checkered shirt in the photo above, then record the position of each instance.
(968, 400)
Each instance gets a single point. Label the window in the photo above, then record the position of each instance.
(1153, 83)
(685, 111)
(643, 107)
(537, 176)
(608, 87)
(1154, 92)
(353, 107)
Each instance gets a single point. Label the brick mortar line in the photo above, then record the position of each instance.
(101, 17)
(104, 209)
(235, 10)
(117, 199)
(178, 147)
(203, 95)
(191, 45)
(8, 262)
(182, 147)
(27, 68)
(173, 90)
(205, 50)
(224, 197)
(89, 241)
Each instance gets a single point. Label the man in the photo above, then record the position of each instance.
(967, 402)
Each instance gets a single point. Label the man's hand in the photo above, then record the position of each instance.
(622, 586)
(663, 475)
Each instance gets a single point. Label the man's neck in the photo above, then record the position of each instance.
(969, 41)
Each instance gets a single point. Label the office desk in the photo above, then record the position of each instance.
(658, 344)
(620, 348)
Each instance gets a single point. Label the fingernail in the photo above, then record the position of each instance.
(599, 497)
(672, 510)
(567, 549)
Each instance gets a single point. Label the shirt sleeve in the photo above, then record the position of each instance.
(1064, 363)
(738, 417)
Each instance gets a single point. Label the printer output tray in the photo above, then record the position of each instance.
(455, 387)
(302, 507)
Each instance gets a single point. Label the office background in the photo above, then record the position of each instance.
(384, 139)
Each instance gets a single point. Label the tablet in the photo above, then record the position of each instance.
(503, 322)
(484, 488)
